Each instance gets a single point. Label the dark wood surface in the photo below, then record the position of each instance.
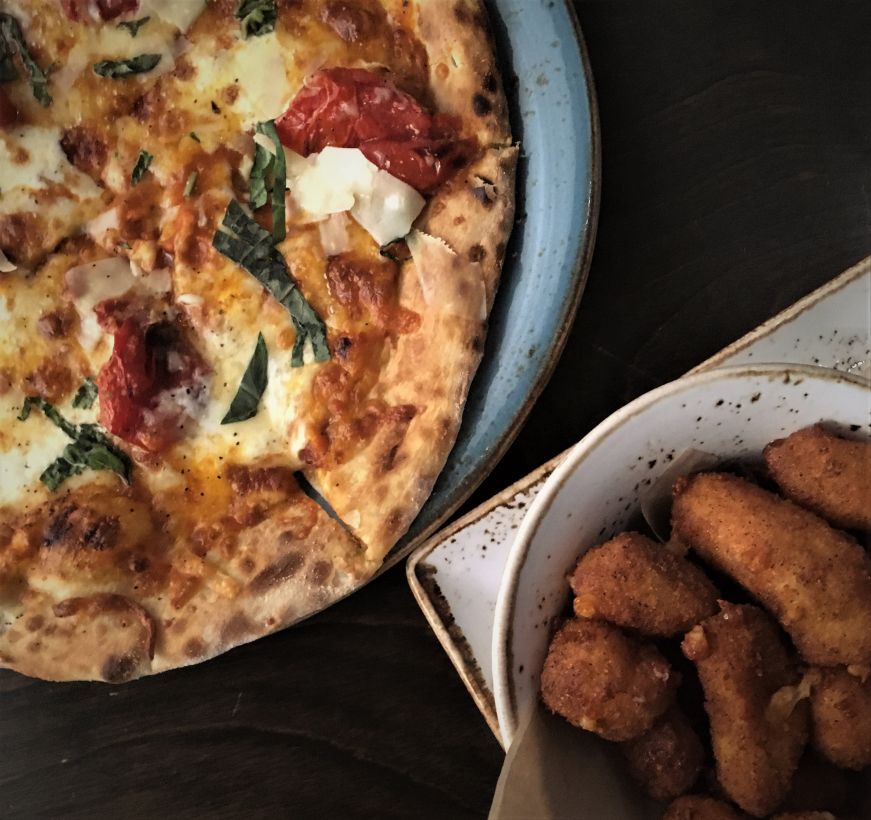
(736, 178)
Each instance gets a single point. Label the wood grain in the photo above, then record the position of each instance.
(736, 178)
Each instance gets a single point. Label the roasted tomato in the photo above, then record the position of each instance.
(150, 383)
(107, 9)
(355, 108)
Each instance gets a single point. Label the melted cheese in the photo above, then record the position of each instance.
(180, 13)
(31, 159)
(109, 42)
(256, 68)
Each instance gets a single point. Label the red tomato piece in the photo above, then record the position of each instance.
(108, 9)
(74, 8)
(147, 361)
(356, 108)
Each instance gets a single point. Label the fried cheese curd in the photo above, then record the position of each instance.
(633, 582)
(841, 717)
(758, 730)
(602, 680)
(814, 579)
(826, 473)
(667, 759)
(699, 807)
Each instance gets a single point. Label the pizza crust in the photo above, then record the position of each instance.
(464, 76)
(380, 491)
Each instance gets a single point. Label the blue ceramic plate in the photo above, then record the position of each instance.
(553, 117)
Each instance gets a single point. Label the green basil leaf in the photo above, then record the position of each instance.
(133, 26)
(279, 180)
(86, 395)
(90, 448)
(142, 162)
(253, 250)
(11, 40)
(115, 69)
(190, 184)
(264, 162)
(254, 381)
(257, 17)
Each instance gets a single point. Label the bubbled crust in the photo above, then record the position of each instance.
(464, 76)
(825, 473)
(841, 718)
(699, 807)
(104, 636)
(758, 731)
(379, 492)
(603, 681)
(666, 759)
(814, 579)
(636, 583)
(145, 602)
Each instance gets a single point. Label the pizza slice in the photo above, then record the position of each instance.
(249, 250)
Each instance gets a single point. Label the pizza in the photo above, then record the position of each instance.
(247, 253)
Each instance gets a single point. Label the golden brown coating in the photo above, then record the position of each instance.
(825, 473)
(700, 807)
(758, 730)
(636, 583)
(601, 680)
(841, 718)
(814, 579)
(666, 759)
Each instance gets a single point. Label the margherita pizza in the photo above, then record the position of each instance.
(249, 248)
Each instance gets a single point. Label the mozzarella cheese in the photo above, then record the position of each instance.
(180, 13)
(342, 179)
(94, 282)
(31, 159)
(256, 67)
(109, 42)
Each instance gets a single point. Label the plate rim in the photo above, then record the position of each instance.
(580, 274)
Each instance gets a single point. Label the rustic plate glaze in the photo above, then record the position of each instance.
(455, 576)
(730, 412)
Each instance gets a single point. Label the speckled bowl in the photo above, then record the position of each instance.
(731, 412)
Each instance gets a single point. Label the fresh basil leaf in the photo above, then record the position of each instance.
(254, 381)
(264, 162)
(257, 17)
(116, 69)
(90, 449)
(11, 40)
(279, 180)
(190, 184)
(86, 395)
(142, 162)
(253, 250)
(133, 26)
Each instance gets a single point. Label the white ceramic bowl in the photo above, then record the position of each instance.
(731, 412)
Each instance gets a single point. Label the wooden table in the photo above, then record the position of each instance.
(736, 178)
